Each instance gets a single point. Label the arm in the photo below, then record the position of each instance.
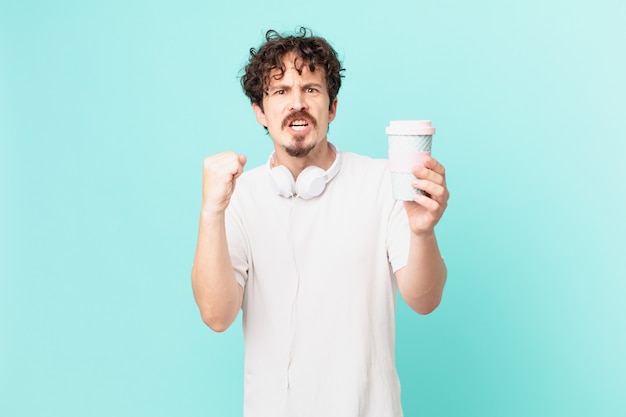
(422, 280)
(215, 289)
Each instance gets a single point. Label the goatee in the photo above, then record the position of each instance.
(299, 150)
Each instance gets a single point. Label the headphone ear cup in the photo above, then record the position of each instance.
(310, 182)
(282, 181)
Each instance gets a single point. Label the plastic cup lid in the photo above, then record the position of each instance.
(410, 127)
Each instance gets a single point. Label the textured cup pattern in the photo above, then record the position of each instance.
(410, 143)
(401, 186)
(409, 147)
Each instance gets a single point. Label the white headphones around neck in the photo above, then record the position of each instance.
(310, 183)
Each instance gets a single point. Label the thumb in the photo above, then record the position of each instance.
(242, 159)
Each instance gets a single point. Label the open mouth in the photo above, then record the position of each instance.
(298, 125)
(299, 121)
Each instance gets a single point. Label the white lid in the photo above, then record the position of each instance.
(410, 127)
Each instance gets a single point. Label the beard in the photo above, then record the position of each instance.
(299, 148)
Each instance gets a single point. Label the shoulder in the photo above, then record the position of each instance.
(362, 177)
(252, 185)
(351, 158)
(253, 176)
(363, 165)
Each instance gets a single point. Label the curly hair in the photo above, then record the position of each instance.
(311, 51)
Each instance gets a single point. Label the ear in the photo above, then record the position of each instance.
(332, 112)
(260, 116)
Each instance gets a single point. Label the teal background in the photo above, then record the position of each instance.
(108, 108)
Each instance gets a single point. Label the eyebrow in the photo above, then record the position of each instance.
(286, 87)
(318, 85)
(277, 87)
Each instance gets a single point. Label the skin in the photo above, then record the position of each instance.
(422, 280)
(292, 94)
(215, 289)
(296, 111)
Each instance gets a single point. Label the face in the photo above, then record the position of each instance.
(297, 109)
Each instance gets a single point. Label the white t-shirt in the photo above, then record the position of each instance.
(319, 293)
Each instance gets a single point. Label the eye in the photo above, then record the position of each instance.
(311, 90)
(279, 92)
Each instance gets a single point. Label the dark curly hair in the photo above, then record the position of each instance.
(311, 51)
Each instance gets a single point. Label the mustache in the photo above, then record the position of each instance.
(299, 115)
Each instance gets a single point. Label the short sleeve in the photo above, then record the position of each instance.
(237, 246)
(398, 237)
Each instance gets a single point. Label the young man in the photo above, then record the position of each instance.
(313, 248)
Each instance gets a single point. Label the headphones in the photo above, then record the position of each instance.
(310, 183)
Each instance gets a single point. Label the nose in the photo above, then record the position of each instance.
(298, 101)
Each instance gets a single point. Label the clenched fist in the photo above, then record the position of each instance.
(220, 172)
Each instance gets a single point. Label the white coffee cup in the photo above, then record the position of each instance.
(410, 142)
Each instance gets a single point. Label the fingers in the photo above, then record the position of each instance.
(437, 192)
(426, 209)
(225, 165)
(431, 179)
(434, 165)
(219, 174)
(431, 205)
(432, 171)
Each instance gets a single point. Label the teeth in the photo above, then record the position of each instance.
(299, 124)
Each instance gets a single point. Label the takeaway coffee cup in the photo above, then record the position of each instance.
(409, 144)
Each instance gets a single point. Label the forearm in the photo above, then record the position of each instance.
(422, 281)
(216, 291)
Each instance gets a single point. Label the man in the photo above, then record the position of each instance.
(313, 248)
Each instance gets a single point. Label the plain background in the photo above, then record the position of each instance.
(107, 109)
